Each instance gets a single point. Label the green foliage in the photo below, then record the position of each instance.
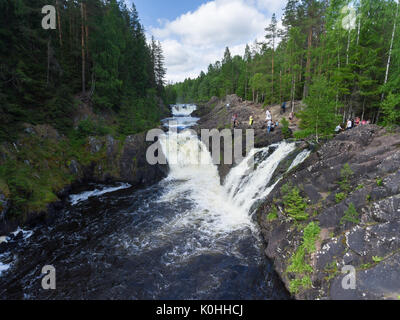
(391, 110)
(350, 215)
(311, 233)
(379, 182)
(318, 118)
(297, 284)
(273, 215)
(338, 74)
(298, 262)
(42, 71)
(377, 259)
(340, 197)
(285, 128)
(294, 204)
(345, 173)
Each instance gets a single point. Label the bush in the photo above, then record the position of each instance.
(273, 215)
(350, 215)
(346, 173)
(295, 205)
(285, 129)
(340, 197)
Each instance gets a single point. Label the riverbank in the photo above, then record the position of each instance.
(40, 169)
(339, 208)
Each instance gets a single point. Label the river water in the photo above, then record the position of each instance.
(187, 237)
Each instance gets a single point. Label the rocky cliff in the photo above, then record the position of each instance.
(339, 208)
(42, 167)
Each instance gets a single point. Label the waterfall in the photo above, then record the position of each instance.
(183, 110)
(228, 205)
(248, 182)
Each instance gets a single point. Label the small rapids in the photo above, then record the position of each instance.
(187, 237)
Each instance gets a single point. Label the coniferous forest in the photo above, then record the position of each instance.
(98, 53)
(340, 57)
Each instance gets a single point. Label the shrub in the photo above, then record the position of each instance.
(285, 129)
(273, 215)
(295, 204)
(340, 197)
(350, 215)
(345, 174)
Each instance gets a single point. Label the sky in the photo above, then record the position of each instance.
(195, 33)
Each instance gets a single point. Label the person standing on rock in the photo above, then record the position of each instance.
(283, 108)
(234, 120)
(269, 116)
(269, 125)
(251, 121)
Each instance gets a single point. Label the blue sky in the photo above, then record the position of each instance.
(152, 10)
(195, 33)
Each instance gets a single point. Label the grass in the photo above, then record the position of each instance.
(332, 270)
(32, 185)
(273, 215)
(298, 262)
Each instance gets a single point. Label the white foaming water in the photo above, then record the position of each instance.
(76, 198)
(248, 182)
(219, 208)
(301, 157)
(183, 110)
(190, 163)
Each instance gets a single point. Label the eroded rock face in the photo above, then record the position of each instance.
(370, 242)
(110, 160)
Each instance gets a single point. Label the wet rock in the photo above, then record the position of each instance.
(74, 167)
(374, 190)
(379, 282)
(134, 166)
(95, 144)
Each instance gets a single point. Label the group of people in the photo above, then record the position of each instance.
(350, 124)
(271, 125)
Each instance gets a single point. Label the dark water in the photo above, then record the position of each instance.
(129, 245)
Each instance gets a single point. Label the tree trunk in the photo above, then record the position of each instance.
(83, 51)
(48, 61)
(59, 21)
(308, 65)
(389, 59)
(272, 96)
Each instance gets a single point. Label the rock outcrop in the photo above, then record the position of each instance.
(217, 114)
(351, 191)
(101, 159)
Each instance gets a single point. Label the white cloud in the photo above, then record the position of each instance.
(195, 39)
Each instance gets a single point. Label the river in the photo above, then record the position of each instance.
(187, 237)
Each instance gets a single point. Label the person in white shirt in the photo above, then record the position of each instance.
(338, 128)
(349, 125)
(269, 116)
